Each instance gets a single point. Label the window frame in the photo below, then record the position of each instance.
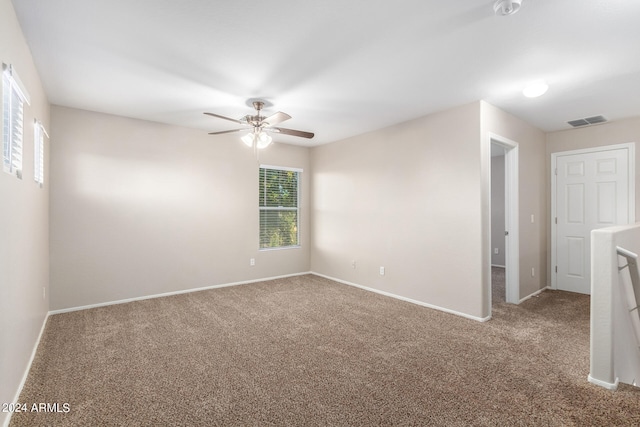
(13, 92)
(297, 209)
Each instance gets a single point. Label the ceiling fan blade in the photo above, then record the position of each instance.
(227, 131)
(293, 132)
(225, 118)
(276, 118)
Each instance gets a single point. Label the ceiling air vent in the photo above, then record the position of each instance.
(587, 121)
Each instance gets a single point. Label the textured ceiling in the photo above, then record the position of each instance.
(340, 68)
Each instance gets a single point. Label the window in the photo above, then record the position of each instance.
(279, 196)
(38, 152)
(13, 97)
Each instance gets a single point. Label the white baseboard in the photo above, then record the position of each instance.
(166, 294)
(27, 369)
(536, 293)
(610, 386)
(388, 294)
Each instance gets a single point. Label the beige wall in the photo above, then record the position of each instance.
(24, 227)
(415, 198)
(407, 197)
(141, 208)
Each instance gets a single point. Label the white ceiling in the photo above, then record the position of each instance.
(340, 68)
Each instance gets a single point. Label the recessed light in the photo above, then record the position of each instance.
(535, 90)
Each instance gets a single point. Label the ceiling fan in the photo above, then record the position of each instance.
(260, 126)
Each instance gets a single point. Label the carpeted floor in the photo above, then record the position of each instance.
(309, 351)
(498, 285)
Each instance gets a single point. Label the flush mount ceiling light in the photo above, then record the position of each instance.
(506, 7)
(535, 89)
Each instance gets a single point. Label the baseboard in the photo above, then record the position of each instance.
(167, 294)
(27, 369)
(610, 386)
(388, 294)
(536, 293)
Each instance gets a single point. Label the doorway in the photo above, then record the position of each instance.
(498, 225)
(591, 188)
(505, 225)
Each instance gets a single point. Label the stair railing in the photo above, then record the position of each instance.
(632, 290)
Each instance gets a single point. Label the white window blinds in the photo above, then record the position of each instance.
(38, 152)
(278, 206)
(14, 95)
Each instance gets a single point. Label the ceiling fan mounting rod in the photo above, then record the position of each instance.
(256, 120)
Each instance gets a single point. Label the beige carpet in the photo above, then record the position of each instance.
(309, 351)
(498, 285)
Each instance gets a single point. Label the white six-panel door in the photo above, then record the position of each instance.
(592, 191)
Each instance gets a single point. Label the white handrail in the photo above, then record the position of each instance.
(633, 290)
(627, 254)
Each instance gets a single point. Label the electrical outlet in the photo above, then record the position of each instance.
(495, 251)
(382, 271)
(533, 272)
(44, 292)
(532, 219)
(252, 262)
(353, 264)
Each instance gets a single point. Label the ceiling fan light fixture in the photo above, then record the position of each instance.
(248, 139)
(258, 138)
(506, 7)
(263, 140)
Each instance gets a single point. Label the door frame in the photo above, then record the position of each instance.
(631, 147)
(512, 218)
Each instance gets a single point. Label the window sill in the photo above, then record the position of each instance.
(279, 248)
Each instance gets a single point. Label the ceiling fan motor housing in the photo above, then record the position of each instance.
(256, 121)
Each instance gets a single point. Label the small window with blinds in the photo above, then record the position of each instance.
(279, 211)
(14, 96)
(38, 152)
